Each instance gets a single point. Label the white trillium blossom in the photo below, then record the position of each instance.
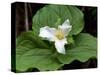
(57, 35)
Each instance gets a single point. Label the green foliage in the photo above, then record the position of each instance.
(51, 15)
(33, 52)
(85, 48)
(30, 54)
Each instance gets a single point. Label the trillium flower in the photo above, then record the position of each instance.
(59, 35)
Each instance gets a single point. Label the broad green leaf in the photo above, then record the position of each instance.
(53, 15)
(85, 48)
(36, 58)
(31, 52)
(28, 39)
(85, 39)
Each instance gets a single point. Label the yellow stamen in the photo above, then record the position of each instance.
(59, 34)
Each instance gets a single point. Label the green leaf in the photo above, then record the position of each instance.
(36, 58)
(53, 15)
(30, 55)
(70, 40)
(85, 39)
(85, 48)
(30, 38)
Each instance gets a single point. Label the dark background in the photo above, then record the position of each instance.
(90, 17)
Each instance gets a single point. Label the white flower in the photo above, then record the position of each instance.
(57, 35)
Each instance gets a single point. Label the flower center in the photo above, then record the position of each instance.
(59, 34)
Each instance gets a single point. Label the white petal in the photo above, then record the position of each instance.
(48, 33)
(66, 27)
(59, 45)
(66, 22)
